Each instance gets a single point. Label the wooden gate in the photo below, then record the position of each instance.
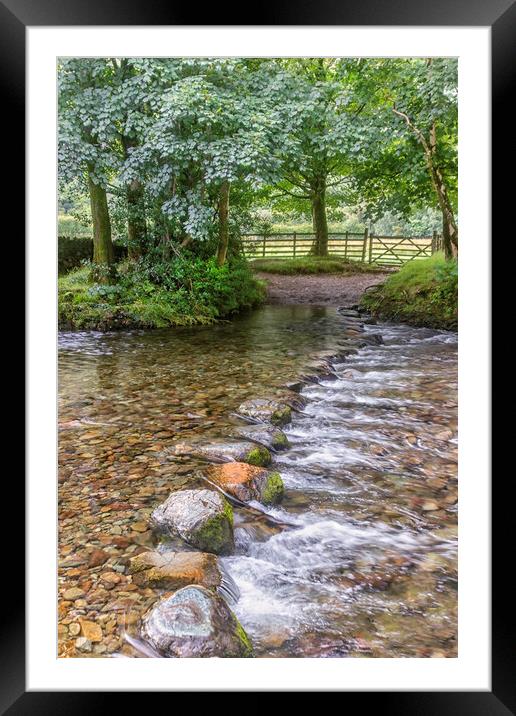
(364, 247)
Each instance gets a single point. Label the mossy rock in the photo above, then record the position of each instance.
(280, 440)
(273, 490)
(241, 451)
(202, 518)
(195, 623)
(266, 411)
(216, 534)
(245, 643)
(282, 415)
(270, 436)
(247, 482)
(259, 456)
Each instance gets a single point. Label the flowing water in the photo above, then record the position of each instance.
(366, 565)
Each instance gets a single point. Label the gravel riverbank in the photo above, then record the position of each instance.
(319, 289)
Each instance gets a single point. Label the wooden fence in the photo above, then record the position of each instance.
(365, 247)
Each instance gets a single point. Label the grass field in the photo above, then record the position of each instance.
(311, 265)
(423, 293)
(334, 227)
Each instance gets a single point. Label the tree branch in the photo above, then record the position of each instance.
(282, 192)
(413, 128)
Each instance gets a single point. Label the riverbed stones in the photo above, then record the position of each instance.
(266, 411)
(174, 570)
(202, 518)
(270, 436)
(90, 630)
(194, 622)
(243, 451)
(83, 645)
(247, 482)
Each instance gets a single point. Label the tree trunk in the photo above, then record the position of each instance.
(429, 144)
(136, 224)
(103, 253)
(320, 222)
(222, 247)
(449, 237)
(450, 230)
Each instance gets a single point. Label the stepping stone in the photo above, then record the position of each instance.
(265, 411)
(227, 452)
(203, 518)
(246, 482)
(270, 436)
(174, 570)
(195, 623)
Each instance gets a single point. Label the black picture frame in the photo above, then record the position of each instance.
(500, 15)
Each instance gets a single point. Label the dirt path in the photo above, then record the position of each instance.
(329, 289)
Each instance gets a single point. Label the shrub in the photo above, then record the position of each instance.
(422, 293)
(156, 294)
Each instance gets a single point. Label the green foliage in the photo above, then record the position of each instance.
(161, 136)
(311, 265)
(422, 293)
(185, 291)
(404, 100)
(104, 274)
(277, 129)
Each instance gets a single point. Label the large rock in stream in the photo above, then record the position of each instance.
(174, 570)
(242, 451)
(265, 411)
(246, 482)
(203, 518)
(270, 436)
(194, 623)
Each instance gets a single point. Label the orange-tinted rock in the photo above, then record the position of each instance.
(247, 482)
(91, 630)
(110, 579)
(243, 481)
(97, 557)
(174, 570)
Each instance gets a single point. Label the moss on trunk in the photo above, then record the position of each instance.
(320, 221)
(222, 247)
(103, 253)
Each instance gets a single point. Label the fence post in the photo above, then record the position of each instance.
(346, 247)
(366, 233)
(434, 241)
(371, 248)
(295, 235)
(263, 250)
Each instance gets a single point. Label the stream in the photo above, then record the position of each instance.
(368, 563)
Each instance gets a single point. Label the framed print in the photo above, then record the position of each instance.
(258, 364)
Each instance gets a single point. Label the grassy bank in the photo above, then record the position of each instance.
(183, 292)
(312, 265)
(422, 293)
